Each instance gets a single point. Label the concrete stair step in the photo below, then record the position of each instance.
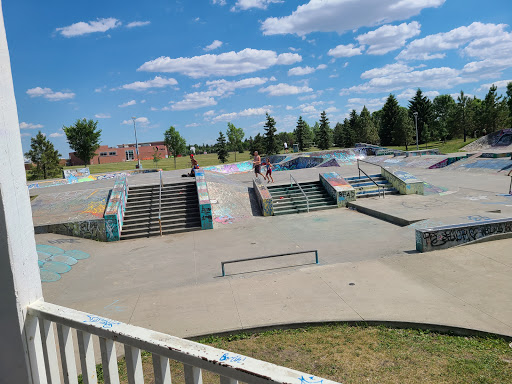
(166, 221)
(296, 204)
(390, 191)
(156, 198)
(152, 233)
(181, 217)
(170, 185)
(298, 195)
(302, 210)
(357, 178)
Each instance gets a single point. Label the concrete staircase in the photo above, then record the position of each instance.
(288, 199)
(180, 210)
(366, 188)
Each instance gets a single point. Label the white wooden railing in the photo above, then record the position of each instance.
(45, 354)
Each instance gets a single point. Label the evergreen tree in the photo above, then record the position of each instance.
(325, 133)
(495, 115)
(403, 129)
(509, 99)
(309, 136)
(83, 138)
(45, 157)
(258, 144)
(369, 134)
(271, 146)
(222, 148)
(300, 134)
(388, 118)
(423, 106)
(353, 129)
(339, 135)
(316, 133)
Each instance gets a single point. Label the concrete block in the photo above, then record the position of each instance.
(338, 188)
(403, 182)
(264, 197)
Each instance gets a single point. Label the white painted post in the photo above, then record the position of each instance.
(49, 346)
(193, 375)
(87, 361)
(161, 369)
(227, 380)
(133, 365)
(109, 361)
(20, 283)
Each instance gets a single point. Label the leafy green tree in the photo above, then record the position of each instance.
(156, 157)
(444, 110)
(494, 114)
(300, 134)
(460, 123)
(325, 133)
(258, 145)
(403, 128)
(235, 136)
(83, 138)
(222, 148)
(388, 118)
(509, 98)
(339, 135)
(309, 136)
(271, 146)
(369, 132)
(316, 133)
(423, 106)
(45, 157)
(174, 142)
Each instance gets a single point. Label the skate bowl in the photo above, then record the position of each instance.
(500, 140)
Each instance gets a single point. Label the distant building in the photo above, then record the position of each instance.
(123, 152)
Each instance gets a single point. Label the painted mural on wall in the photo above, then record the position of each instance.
(54, 261)
(205, 207)
(431, 239)
(114, 213)
(264, 197)
(339, 189)
(90, 229)
(72, 175)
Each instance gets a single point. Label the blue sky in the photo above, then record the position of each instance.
(198, 64)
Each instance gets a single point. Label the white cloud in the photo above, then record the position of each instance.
(24, 125)
(285, 89)
(301, 71)
(410, 93)
(344, 15)
(358, 103)
(248, 4)
(225, 64)
(219, 2)
(432, 46)
(388, 37)
(102, 116)
(100, 89)
(387, 70)
(211, 112)
(142, 121)
(345, 51)
(192, 125)
(134, 24)
(485, 87)
(194, 100)
(246, 112)
(214, 45)
(48, 94)
(127, 104)
(83, 28)
(57, 134)
(157, 82)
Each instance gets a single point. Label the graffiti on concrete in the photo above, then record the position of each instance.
(453, 235)
(205, 207)
(114, 213)
(60, 241)
(310, 380)
(232, 358)
(264, 197)
(89, 229)
(54, 261)
(105, 323)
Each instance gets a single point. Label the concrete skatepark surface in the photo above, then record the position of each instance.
(172, 284)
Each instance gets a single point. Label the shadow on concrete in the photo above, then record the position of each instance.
(264, 270)
(255, 206)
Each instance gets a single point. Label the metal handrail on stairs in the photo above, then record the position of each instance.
(298, 185)
(160, 204)
(373, 181)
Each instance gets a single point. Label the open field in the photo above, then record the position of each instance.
(450, 146)
(356, 354)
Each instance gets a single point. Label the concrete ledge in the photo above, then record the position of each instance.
(403, 182)
(90, 229)
(400, 221)
(339, 189)
(422, 152)
(205, 207)
(264, 197)
(430, 239)
(114, 212)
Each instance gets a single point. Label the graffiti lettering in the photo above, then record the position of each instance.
(232, 358)
(106, 323)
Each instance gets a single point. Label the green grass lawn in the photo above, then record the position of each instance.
(359, 354)
(450, 146)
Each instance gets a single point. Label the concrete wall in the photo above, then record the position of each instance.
(205, 207)
(76, 173)
(264, 197)
(339, 189)
(114, 212)
(403, 182)
(87, 229)
(422, 152)
(431, 239)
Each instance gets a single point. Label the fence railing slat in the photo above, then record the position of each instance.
(161, 369)
(35, 350)
(193, 375)
(227, 380)
(87, 361)
(67, 354)
(109, 361)
(133, 365)
(50, 352)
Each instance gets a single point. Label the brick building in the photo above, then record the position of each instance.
(124, 152)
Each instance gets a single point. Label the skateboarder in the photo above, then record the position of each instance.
(257, 165)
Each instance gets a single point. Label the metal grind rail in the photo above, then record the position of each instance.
(160, 204)
(292, 179)
(222, 263)
(373, 181)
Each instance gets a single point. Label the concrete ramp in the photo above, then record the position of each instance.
(500, 140)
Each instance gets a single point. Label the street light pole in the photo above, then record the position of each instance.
(416, 119)
(136, 143)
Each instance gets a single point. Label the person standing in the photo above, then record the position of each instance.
(257, 165)
(269, 171)
(194, 164)
(285, 147)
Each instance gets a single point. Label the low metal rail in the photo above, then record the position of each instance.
(222, 263)
(298, 185)
(373, 181)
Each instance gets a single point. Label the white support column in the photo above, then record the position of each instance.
(161, 369)
(133, 365)
(87, 361)
(227, 380)
(50, 349)
(20, 283)
(67, 354)
(193, 375)
(109, 361)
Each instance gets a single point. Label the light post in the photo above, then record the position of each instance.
(416, 119)
(136, 143)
